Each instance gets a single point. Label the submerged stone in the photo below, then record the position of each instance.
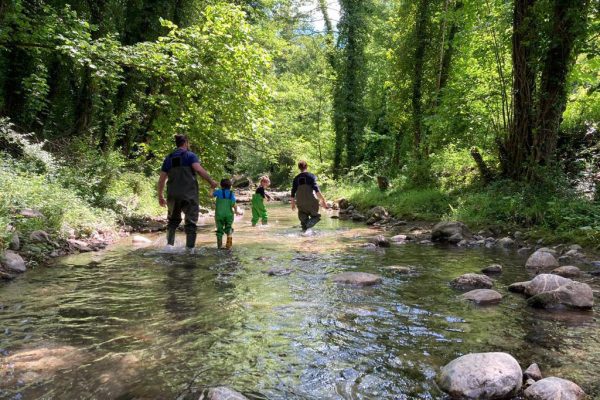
(483, 296)
(472, 281)
(357, 278)
(222, 393)
(481, 376)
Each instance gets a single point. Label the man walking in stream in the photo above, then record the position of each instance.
(305, 192)
(179, 171)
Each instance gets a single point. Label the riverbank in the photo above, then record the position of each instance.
(503, 209)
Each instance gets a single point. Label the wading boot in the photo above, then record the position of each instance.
(312, 222)
(190, 240)
(229, 242)
(171, 236)
(219, 243)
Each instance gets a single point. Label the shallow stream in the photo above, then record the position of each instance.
(143, 323)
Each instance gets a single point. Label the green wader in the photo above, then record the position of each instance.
(308, 206)
(182, 196)
(259, 211)
(224, 217)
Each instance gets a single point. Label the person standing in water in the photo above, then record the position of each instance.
(179, 171)
(259, 211)
(225, 206)
(305, 192)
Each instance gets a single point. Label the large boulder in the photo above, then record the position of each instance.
(542, 259)
(483, 296)
(357, 278)
(13, 262)
(471, 282)
(222, 393)
(553, 388)
(481, 376)
(545, 283)
(573, 295)
(450, 232)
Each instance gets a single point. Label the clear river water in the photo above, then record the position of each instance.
(145, 323)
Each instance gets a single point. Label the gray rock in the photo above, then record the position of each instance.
(472, 281)
(222, 393)
(533, 372)
(380, 241)
(529, 382)
(553, 388)
(541, 259)
(595, 264)
(31, 213)
(357, 278)
(481, 376)
(13, 261)
(483, 296)
(567, 271)
(524, 251)
(573, 295)
(545, 283)
(575, 254)
(399, 238)
(505, 243)
(518, 235)
(15, 242)
(548, 250)
(492, 269)
(443, 231)
(78, 245)
(376, 214)
(575, 247)
(518, 287)
(456, 238)
(40, 237)
(356, 216)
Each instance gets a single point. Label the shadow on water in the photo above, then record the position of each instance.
(151, 323)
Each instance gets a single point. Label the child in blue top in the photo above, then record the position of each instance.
(224, 213)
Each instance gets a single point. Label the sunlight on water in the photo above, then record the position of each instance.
(153, 322)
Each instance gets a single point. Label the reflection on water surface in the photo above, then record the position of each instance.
(144, 323)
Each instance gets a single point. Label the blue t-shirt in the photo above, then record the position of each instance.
(224, 194)
(183, 157)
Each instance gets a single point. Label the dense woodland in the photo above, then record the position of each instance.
(481, 110)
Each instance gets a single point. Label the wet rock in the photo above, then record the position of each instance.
(15, 242)
(444, 231)
(343, 204)
(357, 278)
(575, 247)
(456, 238)
(573, 295)
(595, 264)
(380, 241)
(376, 214)
(278, 271)
(576, 254)
(529, 382)
(518, 287)
(425, 241)
(492, 269)
(533, 372)
(505, 243)
(483, 296)
(544, 283)
(518, 235)
(356, 216)
(541, 259)
(481, 376)
(399, 238)
(140, 240)
(40, 237)
(30, 213)
(567, 271)
(548, 250)
(13, 261)
(78, 245)
(472, 281)
(553, 388)
(222, 393)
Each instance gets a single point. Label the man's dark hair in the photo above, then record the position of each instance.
(302, 165)
(225, 183)
(180, 140)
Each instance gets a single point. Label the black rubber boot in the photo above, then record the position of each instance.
(312, 222)
(219, 243)
(190, 240)
(171, 235)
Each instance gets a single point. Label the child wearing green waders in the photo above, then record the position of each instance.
(224, 213)
(259, 211)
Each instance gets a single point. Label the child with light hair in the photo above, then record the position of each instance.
(259, 211)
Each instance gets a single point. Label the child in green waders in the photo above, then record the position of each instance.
(224, 213)
(259, 211)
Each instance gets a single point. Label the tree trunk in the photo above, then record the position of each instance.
(568, 22)
(419, 60)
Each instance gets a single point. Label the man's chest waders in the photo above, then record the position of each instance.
(182, 196)
(259, 211)
(224, 216)
(308, 205)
